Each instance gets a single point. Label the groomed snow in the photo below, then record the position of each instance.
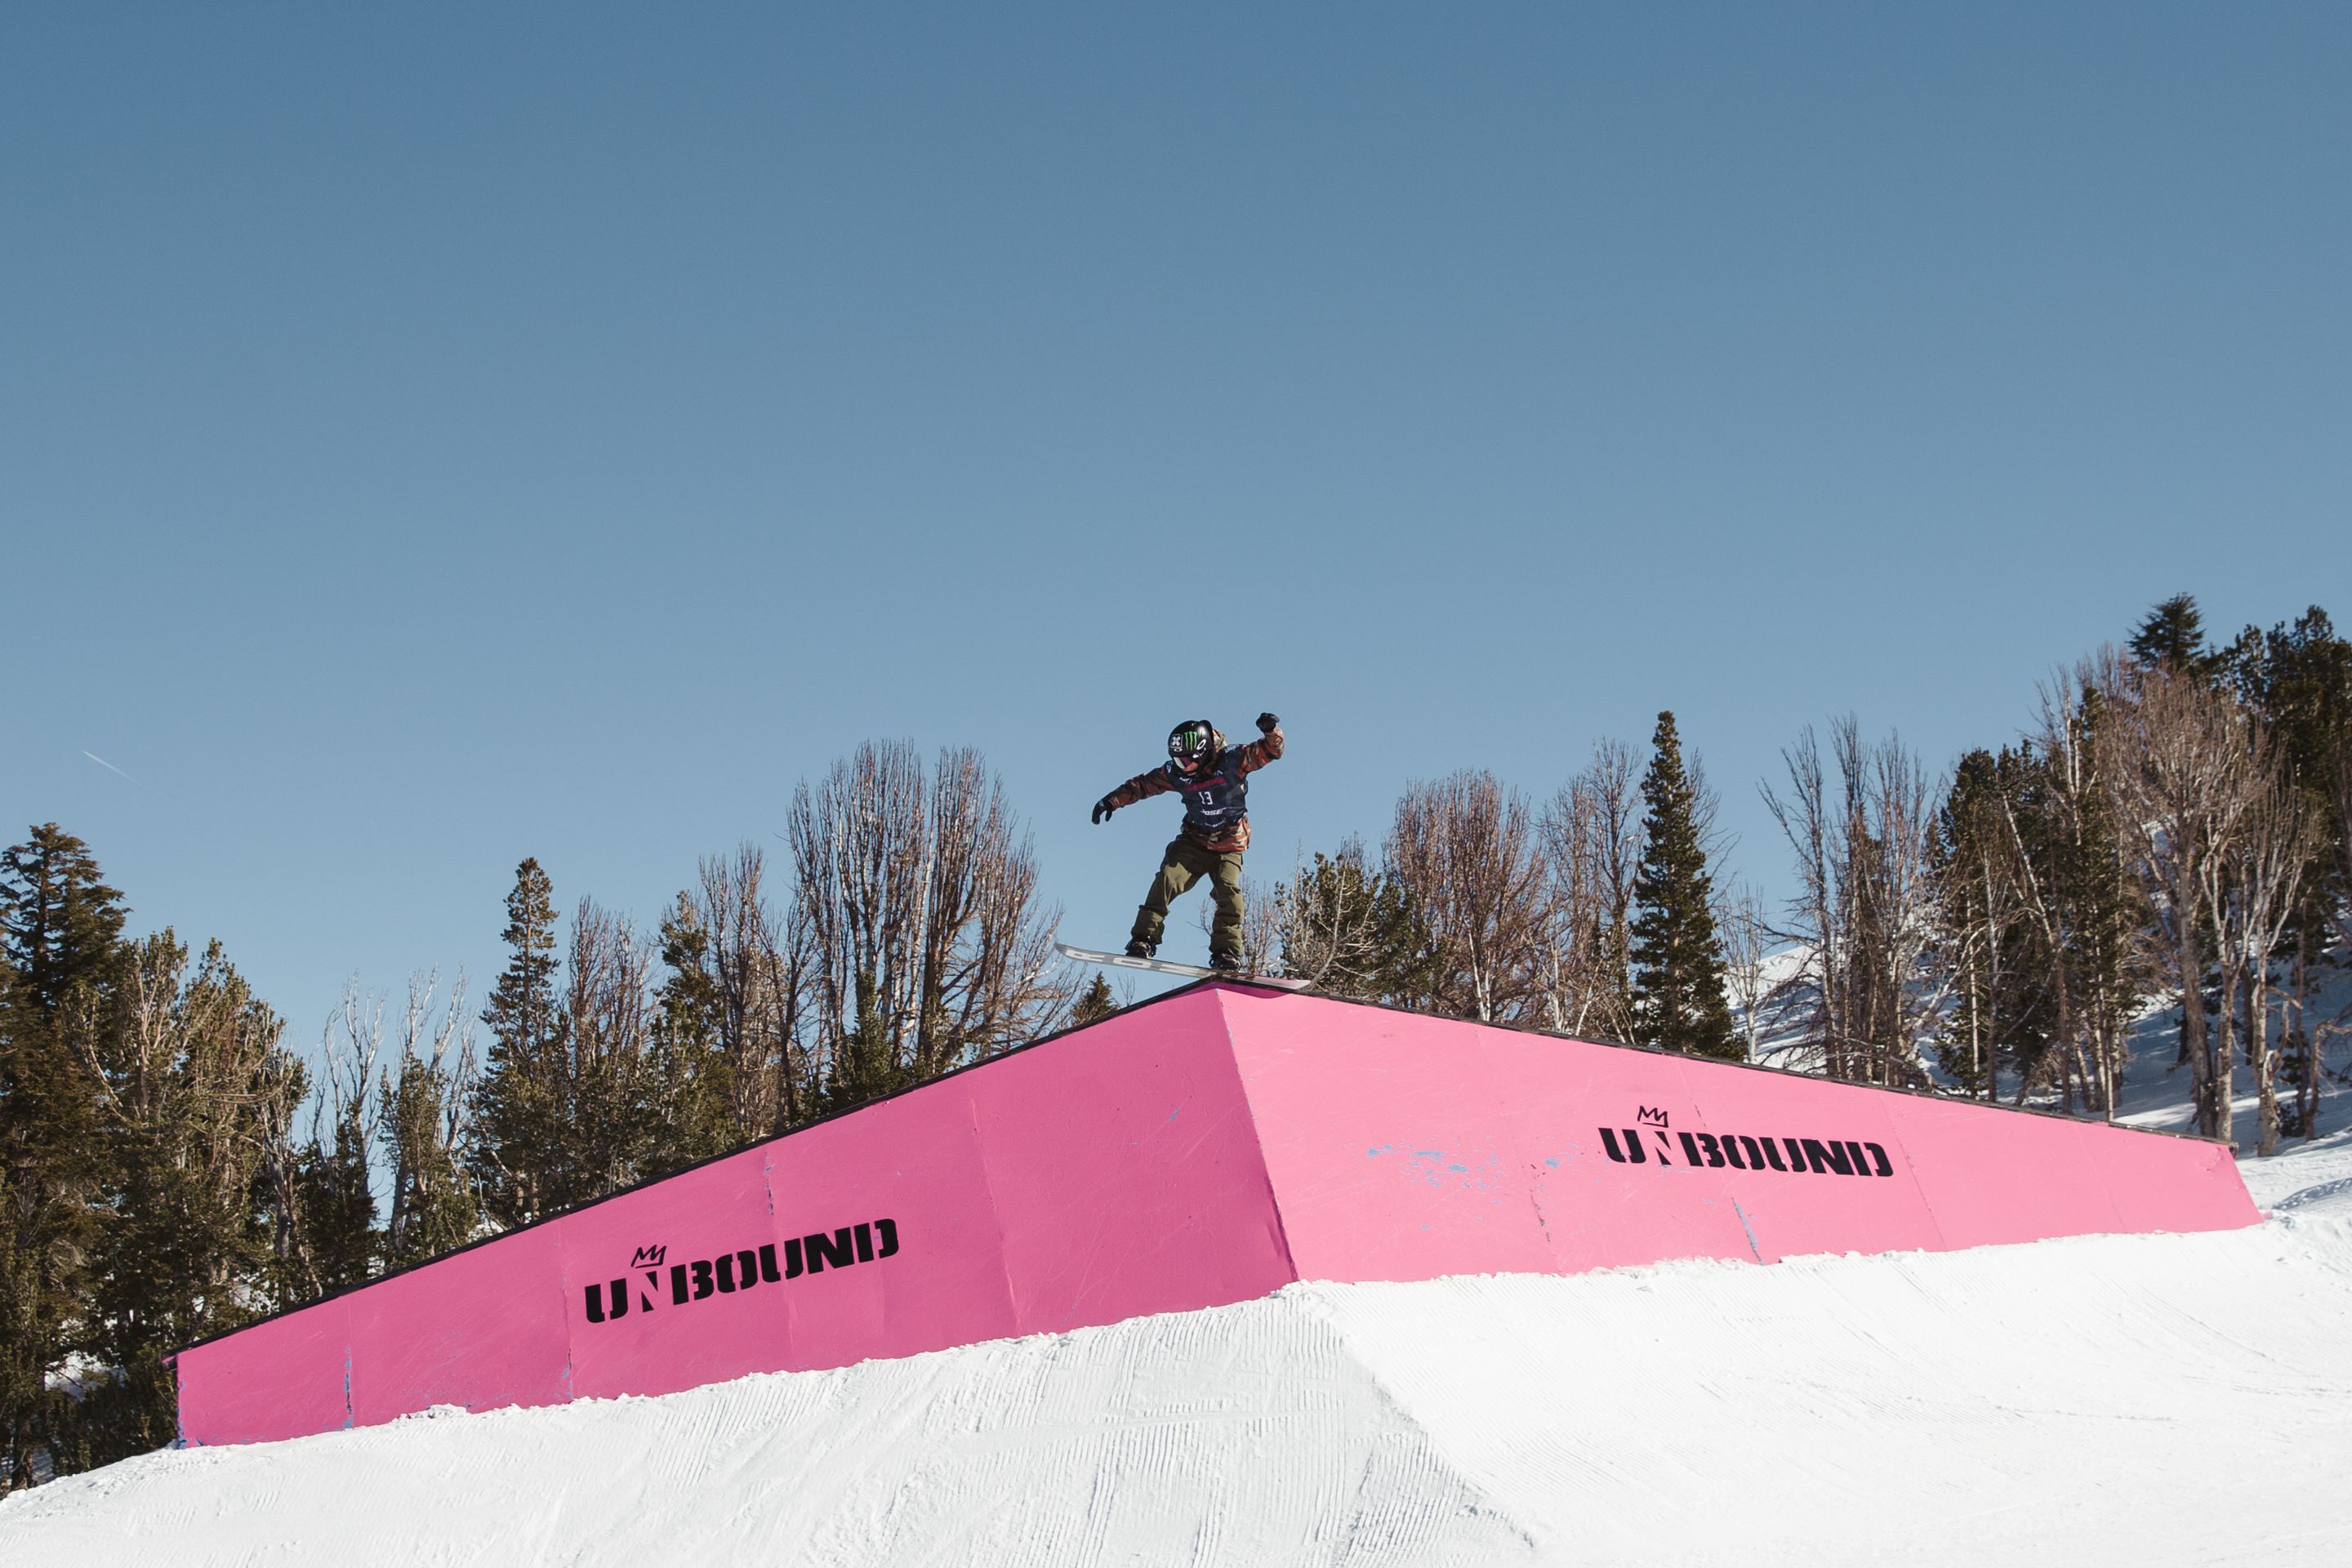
(2126, 1400)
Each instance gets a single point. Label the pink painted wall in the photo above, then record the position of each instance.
(1406, 1147)
(1205, 1149)
(1105, 1174)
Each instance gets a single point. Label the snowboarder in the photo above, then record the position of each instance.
(1214, 782)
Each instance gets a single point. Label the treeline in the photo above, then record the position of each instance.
(2172, 824)
(170, 1170)
(1594, 913)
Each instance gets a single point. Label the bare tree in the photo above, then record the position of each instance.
(425, 1125)
(1343, 926)
(756, 959)
(1593, 849)
(1748, 945)
(611, 1014)
(2265, 868)
(2317, 1033)
(928, 946)
(2076, 888)
(2180, 754)
(1864, 913)
(2341, 792)
(334, 1208)
(1262, 923)
(1463, 851)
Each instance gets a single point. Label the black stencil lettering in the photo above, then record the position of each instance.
(726, 1265)
(793, 1259)
(703, 1284)
(1711, 1146)
(1755, 1154)
(1860, 1164)
(1878, 1157)
(1609, 1142)
(595, 1303)
(1690, 1150)
(836, 1249)
(889, 1229)
(1661, 1136)
(768, 1264)
(1821, 1158)
(746, 1268)
(865, 1244)
(1731, 1152)
(1796, 1156)
(677, 1284)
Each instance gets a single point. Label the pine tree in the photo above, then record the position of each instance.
(1348, 927)
(693, 1092)
(2172, 638)
(1679, 999)
(1972, 874)
(61, 958)
(521, 1132)
(190, 1073)
(139, 1104)
(865, 1067)
(336, 1204)
(433, 1207)
(2105, 912)
(1098, 1002)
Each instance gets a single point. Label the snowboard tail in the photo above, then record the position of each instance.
(1162, 966)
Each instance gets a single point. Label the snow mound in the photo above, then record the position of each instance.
(2091, 1398)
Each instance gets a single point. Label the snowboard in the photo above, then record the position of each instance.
(1162, 966)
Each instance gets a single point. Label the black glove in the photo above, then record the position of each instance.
(1102, 808)
(1266, 723)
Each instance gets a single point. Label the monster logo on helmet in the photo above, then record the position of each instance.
(1193, 743)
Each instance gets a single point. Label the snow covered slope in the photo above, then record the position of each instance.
(2101, 1400)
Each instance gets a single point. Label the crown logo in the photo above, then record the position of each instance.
(1645, 1117)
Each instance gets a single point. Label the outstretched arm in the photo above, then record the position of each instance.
(1266, 748)
(1142, 786)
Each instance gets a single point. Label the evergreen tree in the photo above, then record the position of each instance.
(61, 957)
(191, 1074)
(1972, 874)
(1679, 998)
(865, 1067)
(335, 1203)
(2172, 638)
(1098, 1002)
(1348, 927)
(519, 1114)
(693, 1077)
(139, 1104)
(2001, 1006)
(2103, 909)
(433, 1207)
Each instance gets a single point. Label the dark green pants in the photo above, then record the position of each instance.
(1185, 864)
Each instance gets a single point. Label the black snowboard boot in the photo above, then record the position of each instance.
(1226, 963)
(1140, 950)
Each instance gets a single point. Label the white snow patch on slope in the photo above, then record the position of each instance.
(2123, 1399)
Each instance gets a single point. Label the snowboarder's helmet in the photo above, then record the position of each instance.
(1193, 742)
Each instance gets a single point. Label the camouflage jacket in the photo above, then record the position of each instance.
(1216, 799)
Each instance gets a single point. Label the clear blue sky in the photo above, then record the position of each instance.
(434, 436)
